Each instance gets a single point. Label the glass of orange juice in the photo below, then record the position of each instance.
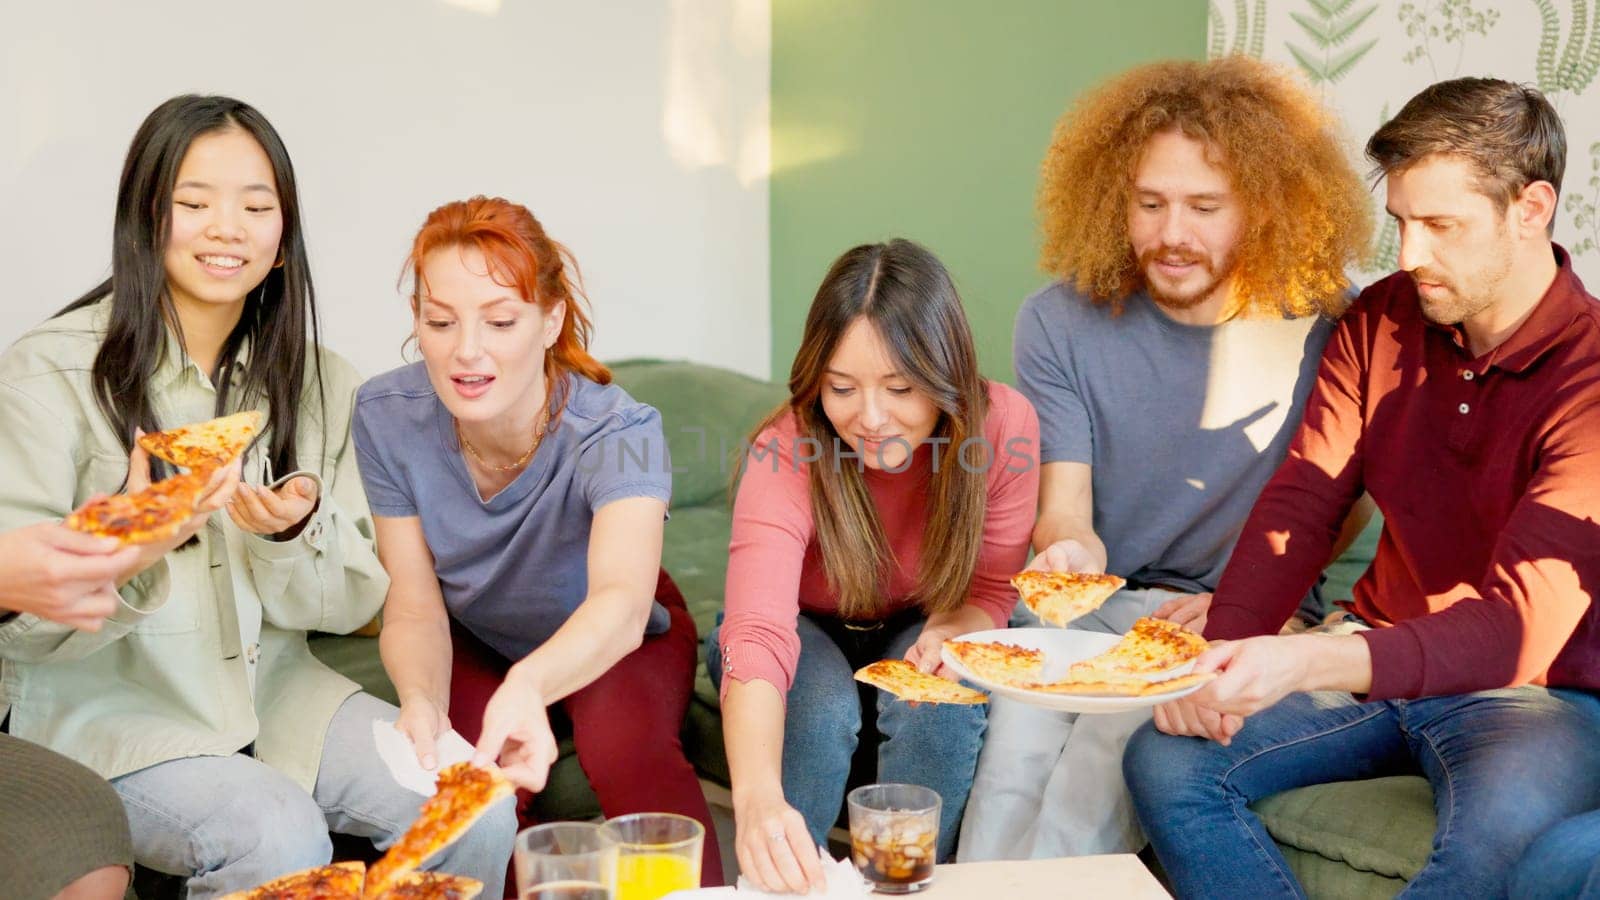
(565, 861)
(657, 853)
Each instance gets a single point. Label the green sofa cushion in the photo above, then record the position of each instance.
(707, 413)
(356, 658)
(1379, 828)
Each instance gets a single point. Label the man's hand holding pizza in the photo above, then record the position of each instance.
(1257, 672)
(1067, 555)
(50, 571)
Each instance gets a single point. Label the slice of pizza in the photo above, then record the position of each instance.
(1151, 647)
(148, 516)
(905, 681)
(340, 881)
(204, 445)
(996, 661)
(465, 792)
(433, 886)
(1122, 687)
(1057, 598)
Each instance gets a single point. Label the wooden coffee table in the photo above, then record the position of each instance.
(1119, 875)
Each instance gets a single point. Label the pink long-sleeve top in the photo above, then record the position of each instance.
(775, 565)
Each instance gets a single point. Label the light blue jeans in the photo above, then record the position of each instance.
(1505, 766)
(232, 822)
(934, 745)
(1049, 783)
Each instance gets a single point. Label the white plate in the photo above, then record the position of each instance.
(1062, 647)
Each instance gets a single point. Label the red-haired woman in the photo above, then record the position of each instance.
(518, 499)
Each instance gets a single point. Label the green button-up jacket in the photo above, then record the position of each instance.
(207, 654)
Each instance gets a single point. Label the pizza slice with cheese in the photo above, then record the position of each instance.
(465, 792)
(1058, 598)
(905, 681)
(1151, 647)
(433, 886)
(1113, 686)
(339, 881)
(147, 516)
(204, 445)
(997, 661)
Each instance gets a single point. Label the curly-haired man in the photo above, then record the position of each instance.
(1198, 218)
(1463, 394)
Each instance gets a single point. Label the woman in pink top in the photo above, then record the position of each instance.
(882, 509)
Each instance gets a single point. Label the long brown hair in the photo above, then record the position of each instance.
(907, 296)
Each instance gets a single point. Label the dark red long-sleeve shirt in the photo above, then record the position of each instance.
(1487, 471)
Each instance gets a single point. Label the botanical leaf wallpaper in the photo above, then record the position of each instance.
(1367, 57)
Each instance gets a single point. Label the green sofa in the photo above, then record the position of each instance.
(1359, 839)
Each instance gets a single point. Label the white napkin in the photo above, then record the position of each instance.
(844, 883)
(397, 753)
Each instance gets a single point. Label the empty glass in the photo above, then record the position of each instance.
(565, 861)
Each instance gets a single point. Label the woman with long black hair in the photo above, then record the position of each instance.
(235, 752)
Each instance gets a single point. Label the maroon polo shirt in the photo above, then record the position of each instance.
(1487, 471)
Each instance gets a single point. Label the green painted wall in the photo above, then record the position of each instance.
(927, 119)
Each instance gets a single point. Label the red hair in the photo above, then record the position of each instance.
(522, 257)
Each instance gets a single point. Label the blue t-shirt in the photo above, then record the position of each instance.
(1181, 425)
(514, 567)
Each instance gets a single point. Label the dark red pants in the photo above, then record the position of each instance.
(625, 724)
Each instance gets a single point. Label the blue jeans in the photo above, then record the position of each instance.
(228, 823)
(934, 745)
(1562, 862)
(1505, 765)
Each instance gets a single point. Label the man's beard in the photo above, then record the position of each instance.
(1459, 305)
(1476, 292)
(1188, 299)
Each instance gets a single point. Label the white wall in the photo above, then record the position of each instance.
(636, 131)
(1371, 56)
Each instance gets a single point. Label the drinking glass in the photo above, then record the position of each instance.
(565, 861)
(893, 829)
(657, 853)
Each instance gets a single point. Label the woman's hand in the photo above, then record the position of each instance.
(216, 494)
(516, 731)
(940, 627)
(773, 846)
(260, 510)
(422, 721)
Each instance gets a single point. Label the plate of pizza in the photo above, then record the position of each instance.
(1081, 671)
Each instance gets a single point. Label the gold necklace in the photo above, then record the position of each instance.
(538, 437)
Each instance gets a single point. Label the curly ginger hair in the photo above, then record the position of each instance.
(1306, 209)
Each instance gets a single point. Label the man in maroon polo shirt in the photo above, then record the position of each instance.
(1463, 394)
